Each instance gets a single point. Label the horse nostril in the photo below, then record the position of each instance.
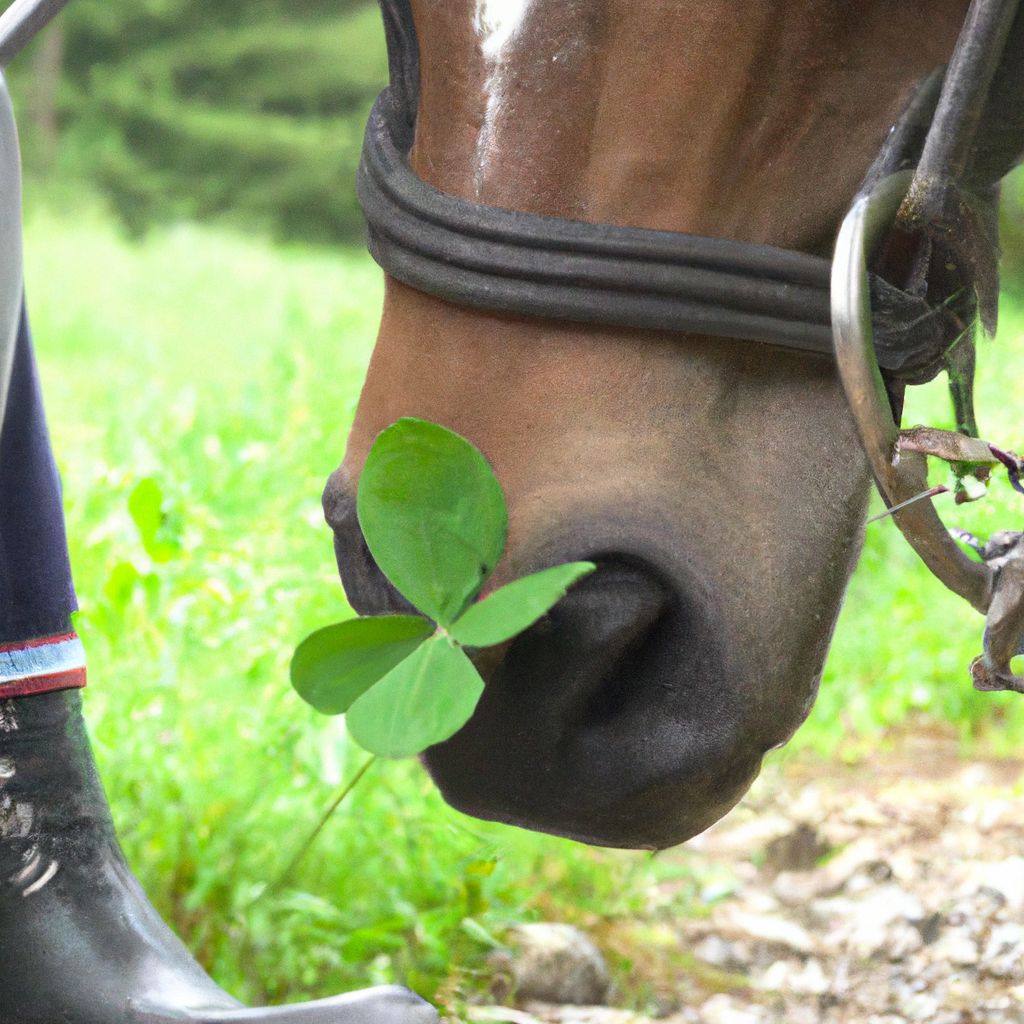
(368, 590)
(588, 640)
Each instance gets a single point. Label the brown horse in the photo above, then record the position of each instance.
(720, 485)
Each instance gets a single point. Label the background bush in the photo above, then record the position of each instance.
(252, 109)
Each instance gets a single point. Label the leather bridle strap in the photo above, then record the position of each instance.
(521, 263)
(488, 257)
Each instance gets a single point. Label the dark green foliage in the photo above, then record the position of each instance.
(198, 108)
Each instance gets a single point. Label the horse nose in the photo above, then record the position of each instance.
(613, 720)
(368, 590)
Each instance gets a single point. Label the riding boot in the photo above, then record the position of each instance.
(79, 941)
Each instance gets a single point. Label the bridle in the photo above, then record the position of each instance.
(533, 265)
(492, 258)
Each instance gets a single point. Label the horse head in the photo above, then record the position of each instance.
(719, 485)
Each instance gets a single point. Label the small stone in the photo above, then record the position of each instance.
(722, 1009)
(871, 923)
(811, 979)
(1003, 952)
(751, 835)
(792, 976)
(766, 928)
(901, 940)
(1004, 877)
(774, 979)
(956, 946)
(865, 812)
(868, 875)
(557, 963)
(842, 866)
(726, 956)
(808, 806)
(920, 1006)
(799, 850)
(795, 888)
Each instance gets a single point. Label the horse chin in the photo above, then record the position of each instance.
(616, 720)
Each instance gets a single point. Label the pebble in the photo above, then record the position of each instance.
(898, 903)
(557, 963)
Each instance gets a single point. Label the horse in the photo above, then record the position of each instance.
(719, 486)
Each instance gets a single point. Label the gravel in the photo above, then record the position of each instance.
(887, 895)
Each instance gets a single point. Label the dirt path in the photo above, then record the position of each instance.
(889, 892)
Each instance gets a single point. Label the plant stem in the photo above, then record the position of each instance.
(311, 838)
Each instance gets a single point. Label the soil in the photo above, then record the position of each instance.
(885, 892)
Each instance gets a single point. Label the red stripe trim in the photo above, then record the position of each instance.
(71, 680)
(24, 645)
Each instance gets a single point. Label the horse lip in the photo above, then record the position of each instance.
(368, 590)
(337, 501)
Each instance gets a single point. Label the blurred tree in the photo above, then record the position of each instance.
(196, 108)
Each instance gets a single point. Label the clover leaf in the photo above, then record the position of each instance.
(422, 701)
(433, 516)
(335, 666)
(435, 520)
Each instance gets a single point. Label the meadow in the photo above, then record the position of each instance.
(221, 373)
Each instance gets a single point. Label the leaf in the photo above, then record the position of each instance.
(517, 605)
(145, 506)
(433, 515)
(335, 665)
(424, 700)
(120, 585)
(477, 931)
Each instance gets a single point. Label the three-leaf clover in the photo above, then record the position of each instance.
(434, 518)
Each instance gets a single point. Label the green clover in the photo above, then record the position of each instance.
(435, 520)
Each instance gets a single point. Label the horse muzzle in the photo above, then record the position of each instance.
(614, 720)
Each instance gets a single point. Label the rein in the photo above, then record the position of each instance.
(935, 172)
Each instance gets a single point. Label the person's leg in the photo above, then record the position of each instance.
(79, 941)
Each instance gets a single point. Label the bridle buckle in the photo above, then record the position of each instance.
(995, 585)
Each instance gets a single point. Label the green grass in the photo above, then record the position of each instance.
(227, 371)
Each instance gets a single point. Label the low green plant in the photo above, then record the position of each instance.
(434, 518)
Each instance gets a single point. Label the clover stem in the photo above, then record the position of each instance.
(311, 838)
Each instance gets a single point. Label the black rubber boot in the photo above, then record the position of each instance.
(79, 941)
